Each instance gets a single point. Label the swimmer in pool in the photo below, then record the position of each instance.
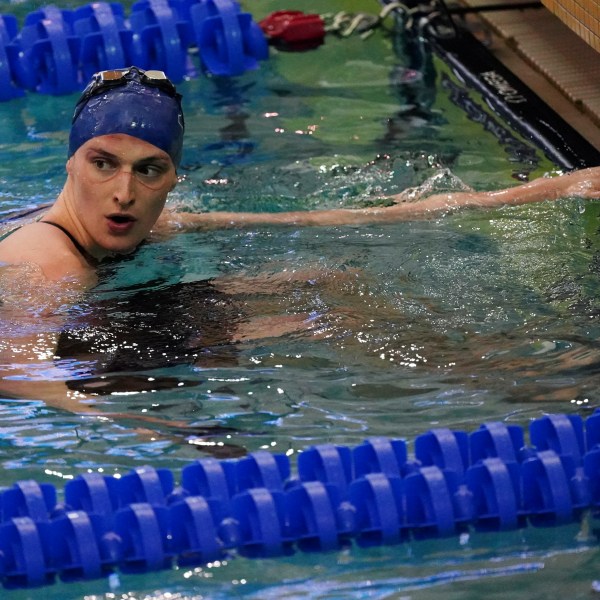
(125, 146)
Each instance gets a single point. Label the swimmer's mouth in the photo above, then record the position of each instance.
(121, 219)
(120, 224)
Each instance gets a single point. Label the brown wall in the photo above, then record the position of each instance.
(582, 16)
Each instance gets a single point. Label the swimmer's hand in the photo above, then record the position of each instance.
(584, 183)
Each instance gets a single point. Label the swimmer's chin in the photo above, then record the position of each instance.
(127, 251)
(107, 253)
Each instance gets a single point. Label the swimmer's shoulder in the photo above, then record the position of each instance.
(46, 247)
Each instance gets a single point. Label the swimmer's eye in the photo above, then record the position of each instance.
(104, 165)
(150, 172)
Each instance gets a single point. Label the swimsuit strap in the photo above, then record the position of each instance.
(88, 257)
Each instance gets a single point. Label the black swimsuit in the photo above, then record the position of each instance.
(116, 339)
(86, 255)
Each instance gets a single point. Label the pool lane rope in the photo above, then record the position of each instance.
(57, 51)
(372, 494)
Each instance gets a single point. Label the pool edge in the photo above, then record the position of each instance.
(557, 65)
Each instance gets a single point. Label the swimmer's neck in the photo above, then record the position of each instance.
(63, 213)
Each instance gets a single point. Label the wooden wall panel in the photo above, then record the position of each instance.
(582, 16)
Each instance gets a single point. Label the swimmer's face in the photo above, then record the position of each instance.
(119, 188)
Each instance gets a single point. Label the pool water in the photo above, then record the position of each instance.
(352, 332)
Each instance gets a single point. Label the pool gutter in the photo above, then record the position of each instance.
(558, 65)
(513, 100)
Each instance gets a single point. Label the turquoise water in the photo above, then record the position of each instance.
(381, 330)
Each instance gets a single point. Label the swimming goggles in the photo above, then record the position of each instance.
(104, 80)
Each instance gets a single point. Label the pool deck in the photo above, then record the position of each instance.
(554, 62)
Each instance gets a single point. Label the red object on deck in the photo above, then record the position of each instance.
(294, 27)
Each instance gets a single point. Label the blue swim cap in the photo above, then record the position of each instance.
(143, 104)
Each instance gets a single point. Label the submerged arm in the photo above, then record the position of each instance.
(584, 183)
(30, 325)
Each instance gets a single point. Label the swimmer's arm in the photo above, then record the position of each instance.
(20, 358)
(584, 183)
(57, 395)
(52, 393)
(20, 379)
(31, 325)
(178, 221)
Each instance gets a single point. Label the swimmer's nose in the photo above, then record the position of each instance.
(124, 189)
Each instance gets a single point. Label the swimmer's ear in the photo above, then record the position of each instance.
(69, 165)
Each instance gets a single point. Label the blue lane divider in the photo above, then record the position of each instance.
(46, 48)
(444, 448)
(8, 86)
(490, 479)
(230, 43)
(496, 495)
(105, 39)
(57, 51)
(160, 37)
(496, 440)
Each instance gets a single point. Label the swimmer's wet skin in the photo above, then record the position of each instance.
(125, 146)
